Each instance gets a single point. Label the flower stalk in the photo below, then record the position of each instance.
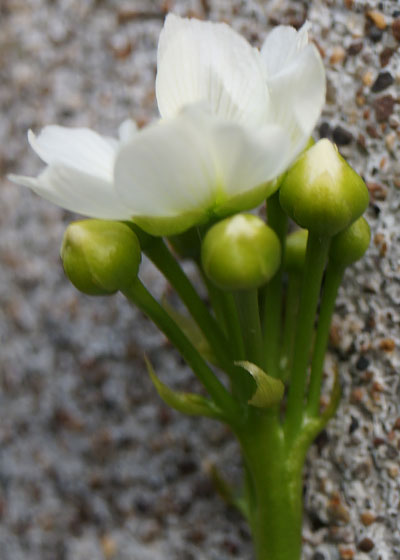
(141, 297)
(316, 257)
(163, 259)
(249, 315)
(333, 280)
(278, 220)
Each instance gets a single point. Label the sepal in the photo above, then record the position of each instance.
(187, 403)
(269, 391)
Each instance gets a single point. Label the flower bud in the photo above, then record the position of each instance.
(240, 253)
(350, 244)
(100, 257)
(321, 192)
(295, 250)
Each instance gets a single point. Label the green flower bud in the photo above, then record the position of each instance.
(321, 192)
(350, 244)
(240, 253)
(100, 257)
(295, 250)
(276, 183)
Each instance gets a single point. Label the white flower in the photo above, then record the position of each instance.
(233, 118)
(79, 172)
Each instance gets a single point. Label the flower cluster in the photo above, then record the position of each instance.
(234, 125)
(232, 119)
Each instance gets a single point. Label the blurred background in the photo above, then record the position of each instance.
(92, 464)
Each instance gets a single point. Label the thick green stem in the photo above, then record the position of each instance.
(249, 315)
(159, 254)
(316, 256)
(140, 296)
(276, 515)
(333, 278)
(272, 319)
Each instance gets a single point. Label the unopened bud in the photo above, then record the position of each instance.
(240, 253)
(321, 192)
(349, 245)
(100, 257)
(295, 250)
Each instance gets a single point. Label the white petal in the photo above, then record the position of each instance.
(248, 158)
(78, 148)
(282, 46)
(127, 129)
(209, 62)
(167, 169)
(298, 95)
(76, 191)
(296, 81)
(197, 163)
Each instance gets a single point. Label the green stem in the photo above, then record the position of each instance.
(249, 316)
(272, 314)
(333, 278)
(216, 301)
(141, 297)
(160, 255)
(277, 219)
(289, 326)
(224, 307)
(223, 303)
(233, 329)
(276, 515)
(316, 256)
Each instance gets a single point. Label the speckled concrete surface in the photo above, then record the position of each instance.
(92, 465)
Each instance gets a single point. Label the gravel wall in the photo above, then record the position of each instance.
(92, 464)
